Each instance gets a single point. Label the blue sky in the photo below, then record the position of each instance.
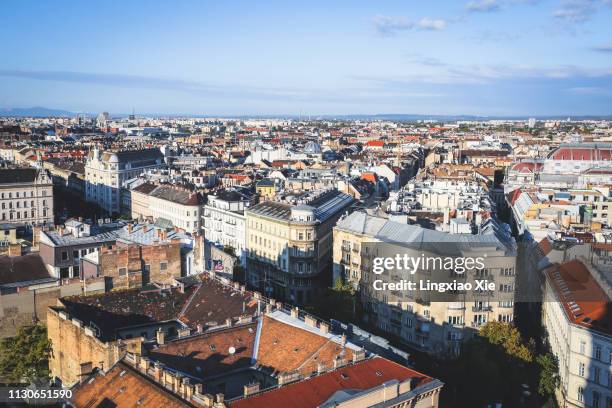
(485, 57)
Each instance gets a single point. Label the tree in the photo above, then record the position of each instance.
(229, 250)
(507, 336)
(549, 374)
(498, 360)
(25, 356)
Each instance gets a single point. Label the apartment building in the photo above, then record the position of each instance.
(422, 320)
(289, 244)
(224, 221)
(177, 205)
(252, 358)
(26, 197)
(579, 325)
(107, 171)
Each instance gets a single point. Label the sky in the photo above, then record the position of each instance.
(447, 57)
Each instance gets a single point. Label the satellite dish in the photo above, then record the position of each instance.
(231, 350)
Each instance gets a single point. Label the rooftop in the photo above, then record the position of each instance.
(123, 386)
(209, 354)
(314, 392)
(585, 303)
(25, 268)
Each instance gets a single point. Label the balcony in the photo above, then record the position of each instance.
(477, 309)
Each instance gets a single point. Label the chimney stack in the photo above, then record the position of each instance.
(161, 336)
(295, 312)
(251, 389)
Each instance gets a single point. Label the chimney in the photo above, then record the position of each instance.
(295, 312)
(159, 372)
(208, 399)
(251, 389)
(220, 398)
(324, 328)
(163, 235)
(321, 368)
(130, 228)
(228, 322)
(14, 250)
(310, 321)
(358, 355)
(187, 389)
(161, 336)
(144, 365)
(343, 340)
(268, 308)
(199, 328)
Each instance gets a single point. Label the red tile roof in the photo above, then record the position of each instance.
(121, 387)
(315, 391)
(584, 301)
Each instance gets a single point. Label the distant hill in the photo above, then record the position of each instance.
(36, 111)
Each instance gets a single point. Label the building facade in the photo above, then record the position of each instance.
(434, 325)
(106, 173)
(577, 320)
(178, 205)
(224, 221)
(289, 245)
(26, 197)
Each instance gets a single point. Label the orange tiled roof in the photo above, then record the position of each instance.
(209, 354)
(584, 301)
(123, 387)
(315, 391)
(286, 348)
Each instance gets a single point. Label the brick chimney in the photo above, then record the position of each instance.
(251, 389)
(187, 389)
(159, 371)
(14, 250)
(160, 336)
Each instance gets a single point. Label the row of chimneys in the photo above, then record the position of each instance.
(175, 382)
(160, 334)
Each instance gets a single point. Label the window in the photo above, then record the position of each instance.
(64, 255)
(580, 394)
(582, 347)
(596, 374)
(122, 271)
(163, 266)
(75, 254)
(581, 369)
(596, 398)
(598, 352)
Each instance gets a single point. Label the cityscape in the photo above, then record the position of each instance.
(191, 219)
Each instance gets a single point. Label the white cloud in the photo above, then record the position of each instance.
(388, 26)
(483, 5)
(575, 11)
(432, 24)
(604, 47)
